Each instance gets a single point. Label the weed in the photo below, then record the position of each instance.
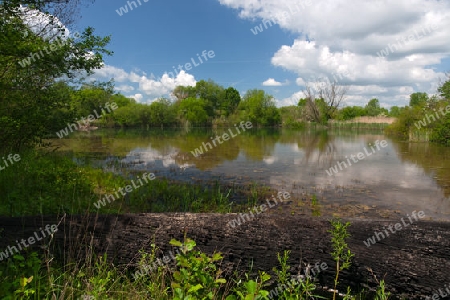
(341, 253)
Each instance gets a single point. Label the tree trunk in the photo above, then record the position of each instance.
(414, 261)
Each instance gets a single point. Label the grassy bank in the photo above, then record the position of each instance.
(44, 183)
(187, 274)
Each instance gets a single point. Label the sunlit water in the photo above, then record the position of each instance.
(400, 177)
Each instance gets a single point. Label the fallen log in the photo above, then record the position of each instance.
(414, 262)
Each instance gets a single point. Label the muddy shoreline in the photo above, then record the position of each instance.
(414, 261)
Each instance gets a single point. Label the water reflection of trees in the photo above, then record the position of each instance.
(316, 144)
(255, 145)
(434, 159)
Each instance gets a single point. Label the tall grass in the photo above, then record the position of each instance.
(51, 184)
(345, 125)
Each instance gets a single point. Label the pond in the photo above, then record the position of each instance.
(373, 175)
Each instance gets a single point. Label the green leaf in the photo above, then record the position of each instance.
(265, 276)
(217, 256)
(251, 286)
(176, 243)
(221, 280)
(190, 244)
(263, 293)
(19, 257)
(195, 288)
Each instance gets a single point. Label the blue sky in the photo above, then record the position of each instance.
(306, 42)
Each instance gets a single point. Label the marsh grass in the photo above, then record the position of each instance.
(357, 125)
(44, 183)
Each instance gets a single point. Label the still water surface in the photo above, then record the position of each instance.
(397, 179)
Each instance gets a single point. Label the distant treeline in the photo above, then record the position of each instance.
(208, 104)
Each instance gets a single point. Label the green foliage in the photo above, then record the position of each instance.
(351, 112)
(251, 289)
(19, 275)
(395, 111)
(381, 293)
(44, 184)
(183, 92)
(212, 94)
(259, 108)
(302, 287)
(341, 253)
(405, 122)
(91, 97)
(194, 110)
(128, 116)
(197, 276)
(441, 131)
(162, 113)
(218, 102)
(418, 99)
(410, 122)
(231, 101)
(29, 73)
(292, 117)
(373, 107)
(100, 283)
(444, 89)
(324, 110)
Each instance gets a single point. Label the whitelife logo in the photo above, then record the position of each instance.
(262, 208)
(128, 189)
(286, 16)
(10, 158)
(187, 66)
(379, 235)
(31, 240)
(65, 132)
(57, 44)
(434, 117)
(124, 9)
(413, 36)
(359, 156)
(225, 137)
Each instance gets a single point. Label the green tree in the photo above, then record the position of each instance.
(162, 113)
(90, 97)
(351, 112)
(394, 111)
(444, 89)
(121, 100)
(230, 101)
(259, 108)
(193, 110)
(130, 115)
(373, 107)
(291, 116)
(182, 92)
(28, 72)
(212, 93)
(418, 99)
(329, 97)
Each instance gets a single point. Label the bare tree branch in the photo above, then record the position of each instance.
(330, 92)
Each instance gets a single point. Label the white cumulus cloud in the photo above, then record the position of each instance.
(148, 88)
(381, 48)
(272, 82)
